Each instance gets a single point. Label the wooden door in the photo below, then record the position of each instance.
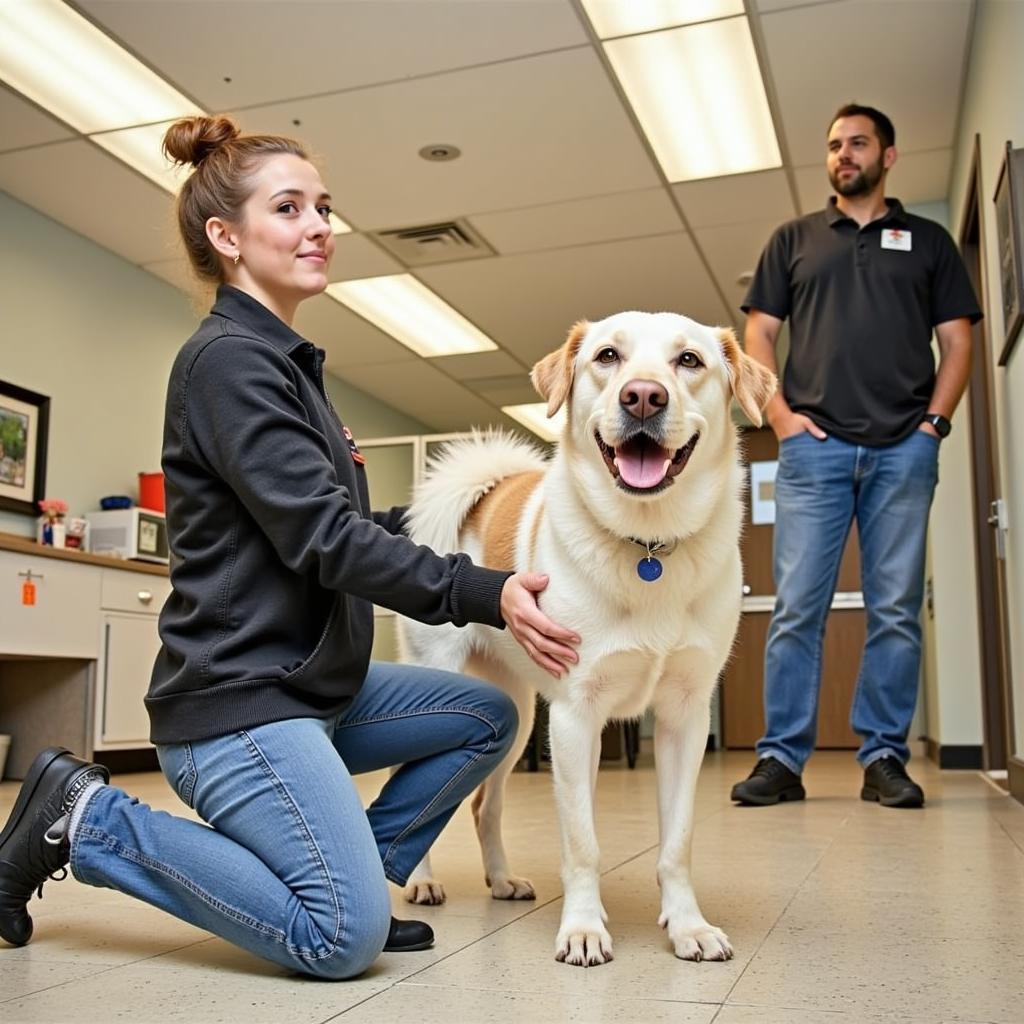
(743, 679)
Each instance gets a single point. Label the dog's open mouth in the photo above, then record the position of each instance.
(641, 464)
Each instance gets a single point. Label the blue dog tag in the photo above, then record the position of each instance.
(648, 569)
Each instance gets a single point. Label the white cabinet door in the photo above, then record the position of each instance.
(61, 622)
(130, 645)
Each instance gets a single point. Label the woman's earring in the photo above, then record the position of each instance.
(238, 256)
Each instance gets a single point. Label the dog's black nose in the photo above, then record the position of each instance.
(643, 398)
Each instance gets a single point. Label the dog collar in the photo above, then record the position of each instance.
(650, 568)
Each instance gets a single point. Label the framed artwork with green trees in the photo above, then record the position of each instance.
(24, 427)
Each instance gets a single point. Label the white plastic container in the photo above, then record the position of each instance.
(5, 746)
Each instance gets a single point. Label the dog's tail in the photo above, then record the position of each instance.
(458, 477)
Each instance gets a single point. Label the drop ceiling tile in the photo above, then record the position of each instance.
(915, 178)
(423, 392)
(911, 69)
(765, 6)
(732, 250)
(78, 185)
(520, 392)
(478, 365)
(532, 131)
(179, 273)
(580, 221)
(762, 195)
(25, 124)
(356, 256)
(528, 302)
(348, 340)
(304, 47)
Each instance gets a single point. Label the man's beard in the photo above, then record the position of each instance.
(861, 184)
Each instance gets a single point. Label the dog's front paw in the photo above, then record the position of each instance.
(698, 940)
(511, 887)
(425, 891)
(583, 945)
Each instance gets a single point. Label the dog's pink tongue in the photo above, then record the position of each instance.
(642, 469)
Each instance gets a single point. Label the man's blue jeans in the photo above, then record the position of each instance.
(820, 488)
(289, 865)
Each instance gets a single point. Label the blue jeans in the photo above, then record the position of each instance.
(289, 865)
(820, 488)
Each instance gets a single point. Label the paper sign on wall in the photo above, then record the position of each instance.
(762, 492)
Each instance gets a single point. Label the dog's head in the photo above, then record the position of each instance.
(645, 387)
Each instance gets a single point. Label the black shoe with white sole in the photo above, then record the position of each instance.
(34, 843)
(771, 782)
(887, 782)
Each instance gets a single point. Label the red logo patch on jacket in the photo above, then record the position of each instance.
(357, 455)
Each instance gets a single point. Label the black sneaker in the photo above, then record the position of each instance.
(769, 783)
(886, 780)
(408, 936)
(34, 844)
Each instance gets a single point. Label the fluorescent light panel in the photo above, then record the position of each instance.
(698, 94)
(534, 417)
(58, 59)
(338, 226)
(411, 313)
(612, 18)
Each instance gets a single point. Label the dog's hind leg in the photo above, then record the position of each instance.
(488, 803)
(583, 939)
(680, 739)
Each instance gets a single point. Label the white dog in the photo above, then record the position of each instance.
(636, 520)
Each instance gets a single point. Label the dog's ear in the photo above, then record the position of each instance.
(752, 384)
(552, 376)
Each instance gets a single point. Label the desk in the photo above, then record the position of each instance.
(75, 666)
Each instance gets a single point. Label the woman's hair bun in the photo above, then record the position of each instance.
(192, 139)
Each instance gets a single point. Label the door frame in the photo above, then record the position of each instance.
(993, 619)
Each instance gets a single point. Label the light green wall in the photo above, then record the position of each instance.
(951, 707)
(993, 109)
(98, 336)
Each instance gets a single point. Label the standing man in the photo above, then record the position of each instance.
(860, 418)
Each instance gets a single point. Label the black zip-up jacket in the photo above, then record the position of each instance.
(275, 558)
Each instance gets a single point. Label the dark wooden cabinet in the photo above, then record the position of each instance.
(743, 680)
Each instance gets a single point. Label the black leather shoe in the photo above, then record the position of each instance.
(407, 936)
(34, 844)
(887, 781)
(769, 783)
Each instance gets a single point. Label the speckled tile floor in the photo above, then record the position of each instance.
(840, 912)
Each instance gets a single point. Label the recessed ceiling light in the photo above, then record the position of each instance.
(698, 94)
(338, 226)
(58, 59)
(612, 18)
(405, 308)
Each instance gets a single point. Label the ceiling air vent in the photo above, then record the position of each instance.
(425, 244)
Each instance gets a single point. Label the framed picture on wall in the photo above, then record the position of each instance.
(1009, 202)
(24, 428)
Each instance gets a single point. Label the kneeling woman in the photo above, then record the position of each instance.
(264, 701)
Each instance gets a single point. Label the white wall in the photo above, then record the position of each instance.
(994, 109)
(98, 336)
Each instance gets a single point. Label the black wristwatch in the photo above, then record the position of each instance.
(939, 422)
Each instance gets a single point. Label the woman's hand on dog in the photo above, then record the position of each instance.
(546, 642)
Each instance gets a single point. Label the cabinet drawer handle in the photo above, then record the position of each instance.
(145, 596)
(30, 575)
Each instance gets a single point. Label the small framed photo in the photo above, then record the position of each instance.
(1009, 203)
(24, 428)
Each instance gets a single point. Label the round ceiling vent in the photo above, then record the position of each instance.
(440, 151)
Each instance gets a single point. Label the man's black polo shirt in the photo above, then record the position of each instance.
(862, 303)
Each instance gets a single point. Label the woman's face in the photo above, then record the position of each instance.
(285, 239)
